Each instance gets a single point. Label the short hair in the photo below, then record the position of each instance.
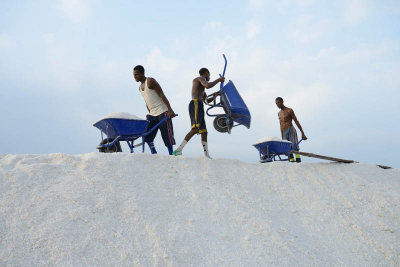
(203, 71)
(139, 68)
(279, 98)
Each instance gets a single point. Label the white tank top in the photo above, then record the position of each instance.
(153, 100)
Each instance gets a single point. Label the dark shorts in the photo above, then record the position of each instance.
(166, 129)
(196, 112)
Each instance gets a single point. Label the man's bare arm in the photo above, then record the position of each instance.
(153, 84)
(210, 98)
(291, 112)
(209, 85)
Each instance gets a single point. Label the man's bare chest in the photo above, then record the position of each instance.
(284, 116)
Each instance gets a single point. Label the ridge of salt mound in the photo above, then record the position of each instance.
(121, 115)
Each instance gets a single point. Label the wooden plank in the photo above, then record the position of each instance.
(322, 157)
(384, 167)
(331, 158)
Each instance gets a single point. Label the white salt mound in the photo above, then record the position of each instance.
(269, 139)
(138, 209)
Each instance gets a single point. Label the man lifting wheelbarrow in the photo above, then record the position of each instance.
(235, 110)
(196, 110)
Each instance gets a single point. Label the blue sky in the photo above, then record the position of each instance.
(65, 64)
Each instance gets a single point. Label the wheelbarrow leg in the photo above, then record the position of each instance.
(267, 157)
(129, 144)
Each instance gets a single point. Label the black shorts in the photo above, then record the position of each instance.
(166, 129)
(196, 112)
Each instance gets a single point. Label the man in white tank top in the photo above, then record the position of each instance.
(158, 106)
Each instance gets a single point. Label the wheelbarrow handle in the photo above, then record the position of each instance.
(152, 129)
(158, 124)
(223, 74)
(294, 148)
(212, 96)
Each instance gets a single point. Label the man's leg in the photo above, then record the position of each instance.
(189, 135)
(288, 135)
(204, 144)
(203, 130)
(170, 150)
(152, 147)
(292, 137)
(167, 133)
(193, 108)
(150, 137)
(295, 141)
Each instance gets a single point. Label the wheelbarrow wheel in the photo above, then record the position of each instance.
(112, 149)
(220, 124)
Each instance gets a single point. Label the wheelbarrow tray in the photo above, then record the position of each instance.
(234, 105)
(122, 125)
(274, 147)
(119, 126)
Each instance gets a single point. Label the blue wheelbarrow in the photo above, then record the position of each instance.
(235, 110)
(123, 127)
(273, 149)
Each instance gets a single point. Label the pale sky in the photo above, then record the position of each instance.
(65, 64)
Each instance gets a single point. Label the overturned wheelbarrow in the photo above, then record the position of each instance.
(235, 110)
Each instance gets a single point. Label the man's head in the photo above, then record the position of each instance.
(279, 102)
(205, 73)
(138, 73)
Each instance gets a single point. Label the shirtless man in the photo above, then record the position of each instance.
(158, 106)
(286, 115)
(196, 110)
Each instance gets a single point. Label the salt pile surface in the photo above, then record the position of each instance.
(271, 139)
(140, 209)
(121, 115)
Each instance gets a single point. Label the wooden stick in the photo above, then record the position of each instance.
(384, 167)
(331, 158)
(322, 157)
